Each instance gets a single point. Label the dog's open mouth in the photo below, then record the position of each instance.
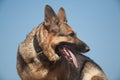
(65, 52)
(69, 55)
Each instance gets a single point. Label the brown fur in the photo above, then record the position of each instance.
(47, 64)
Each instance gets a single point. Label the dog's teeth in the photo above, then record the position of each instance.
(66, 52)
(64, 49)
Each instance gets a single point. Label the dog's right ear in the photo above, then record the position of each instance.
(49, 15)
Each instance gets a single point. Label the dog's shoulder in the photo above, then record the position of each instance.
(26, 48)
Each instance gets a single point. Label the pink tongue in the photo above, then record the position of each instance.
(71, 55)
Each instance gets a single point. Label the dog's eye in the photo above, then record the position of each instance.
(72, 34)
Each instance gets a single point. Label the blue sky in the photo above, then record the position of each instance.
(96, 22)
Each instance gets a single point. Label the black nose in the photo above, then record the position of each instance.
(87, 49)
(84, 48)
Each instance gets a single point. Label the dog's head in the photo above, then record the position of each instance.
(60, 31)
(58, 35)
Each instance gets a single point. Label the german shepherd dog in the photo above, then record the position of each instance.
(52, 51)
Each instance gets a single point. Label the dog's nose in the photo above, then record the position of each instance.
(87, 49)
(84, 48)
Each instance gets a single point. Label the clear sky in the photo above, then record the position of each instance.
(97, 22)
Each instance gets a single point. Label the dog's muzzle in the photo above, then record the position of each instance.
(66, 50)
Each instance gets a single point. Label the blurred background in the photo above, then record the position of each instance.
(97, 22)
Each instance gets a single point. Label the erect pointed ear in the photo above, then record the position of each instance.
(62, 16)
(49, 14)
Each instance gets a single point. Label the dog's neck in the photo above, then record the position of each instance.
(37, 48)
(40, 53)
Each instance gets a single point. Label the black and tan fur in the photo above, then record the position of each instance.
(38, 56)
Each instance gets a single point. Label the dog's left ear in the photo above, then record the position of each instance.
(62, 15)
